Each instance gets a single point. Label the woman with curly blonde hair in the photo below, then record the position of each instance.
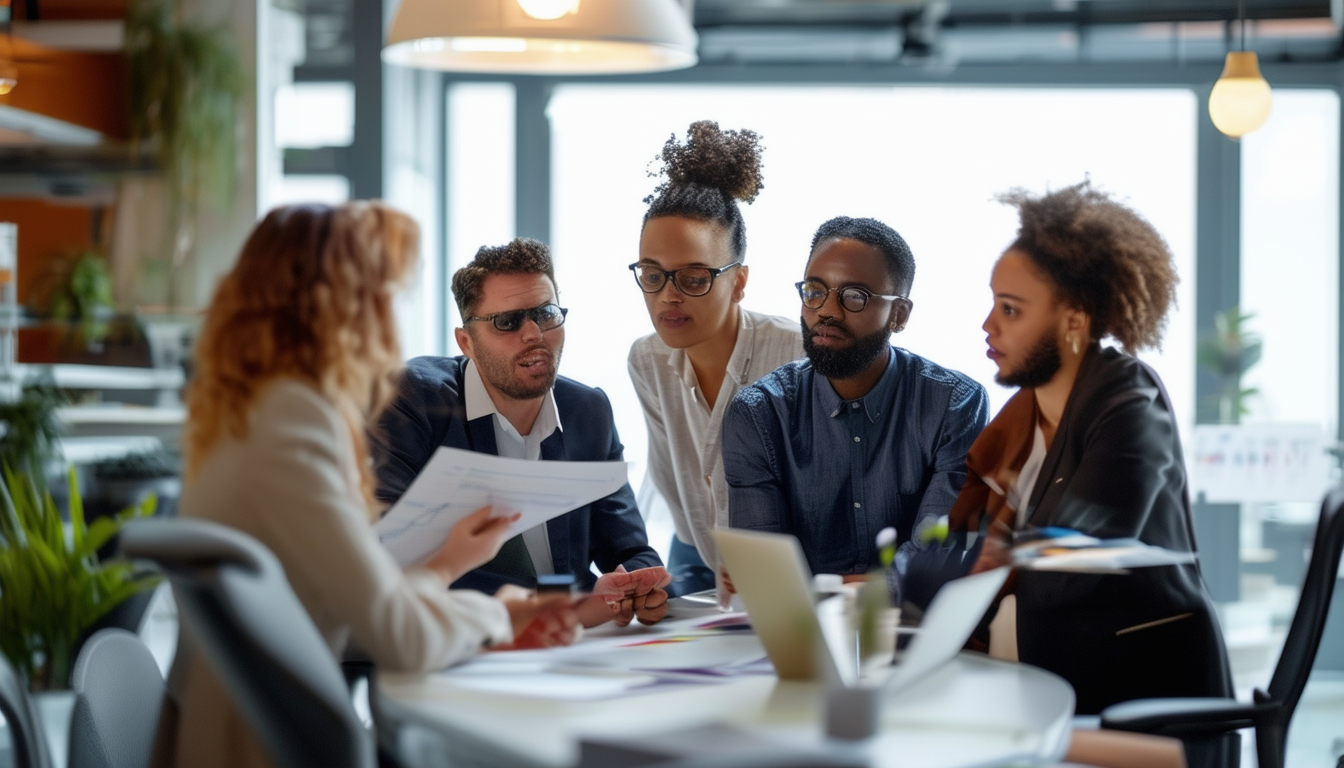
(296, 356)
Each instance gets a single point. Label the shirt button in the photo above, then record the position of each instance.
(855, 406)
(857, 439)
(707, 480)
(858, 505)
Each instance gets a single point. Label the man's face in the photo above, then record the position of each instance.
(523, 364)
(842, 344)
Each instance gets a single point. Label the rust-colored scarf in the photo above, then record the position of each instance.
(993, 464)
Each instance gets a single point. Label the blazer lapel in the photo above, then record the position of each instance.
(481, 435)
(1053, 479)
(557, 529)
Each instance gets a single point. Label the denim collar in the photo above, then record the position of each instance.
(872, 403)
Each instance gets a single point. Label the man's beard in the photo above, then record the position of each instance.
(1041, 365)
(500, 373)
(847, 362)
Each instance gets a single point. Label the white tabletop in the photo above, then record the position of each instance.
(974, 711)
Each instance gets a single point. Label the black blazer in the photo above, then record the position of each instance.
(429, 411)
(1115, 469)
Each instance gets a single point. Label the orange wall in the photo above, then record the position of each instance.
(87, 89)
(45, 231)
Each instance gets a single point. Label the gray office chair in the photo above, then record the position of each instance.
(258, 639)
(1269, 712)
(119, 695)
(27, 739)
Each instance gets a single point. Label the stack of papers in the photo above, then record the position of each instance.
(456, 483)
(1054, 549)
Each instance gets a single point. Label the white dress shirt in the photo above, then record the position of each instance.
(510, 444)
(685, 457)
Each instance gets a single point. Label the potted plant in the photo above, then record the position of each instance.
(53, 587)
(185, 85)
(1229, 352)
(30, 431)
(76, 290)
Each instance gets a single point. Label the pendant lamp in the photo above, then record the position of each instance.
(542, 37)
(1240, 100)
(9, 74)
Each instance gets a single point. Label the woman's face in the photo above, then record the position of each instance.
(1027, 327)
(670, 243)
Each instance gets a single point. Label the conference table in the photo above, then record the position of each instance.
(698, 684)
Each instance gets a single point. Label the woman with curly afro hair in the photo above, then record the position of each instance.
(1089, 443)
(691, 270)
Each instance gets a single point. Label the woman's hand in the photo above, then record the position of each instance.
(997, 550)
(473, 542)
(539, 621)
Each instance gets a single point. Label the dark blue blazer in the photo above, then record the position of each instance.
(430, 410)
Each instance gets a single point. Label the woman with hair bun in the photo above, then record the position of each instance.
(705, 346)
(1089, 443)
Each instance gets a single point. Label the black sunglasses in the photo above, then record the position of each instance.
(548, 317)
(691, 281)
(852, 298)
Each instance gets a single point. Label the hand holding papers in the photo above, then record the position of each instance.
(456, 483)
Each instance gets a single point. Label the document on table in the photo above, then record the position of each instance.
(1075, 552)
(456, 483)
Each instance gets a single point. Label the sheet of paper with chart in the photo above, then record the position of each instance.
(456, 483)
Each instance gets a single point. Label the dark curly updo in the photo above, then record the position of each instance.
(706, 176)
(1104, 259)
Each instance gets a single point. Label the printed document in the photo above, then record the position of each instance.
(456, 483)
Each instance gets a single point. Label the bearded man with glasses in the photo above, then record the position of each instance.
(504, 397)
(860, 435)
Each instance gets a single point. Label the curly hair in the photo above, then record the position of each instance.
(706, 176)
(900, 261)
(1103, 258)
(520, 256)
(310, 298)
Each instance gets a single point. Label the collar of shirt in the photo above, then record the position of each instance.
(738, 363)
(479, 403)
(872, 403)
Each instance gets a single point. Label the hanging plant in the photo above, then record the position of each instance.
(186, 82)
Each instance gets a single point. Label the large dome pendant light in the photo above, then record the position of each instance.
(1240, 100)
(542, 37)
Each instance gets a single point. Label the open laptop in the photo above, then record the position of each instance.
(773, 580)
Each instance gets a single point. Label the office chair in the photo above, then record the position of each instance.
(27, 738)
(255, 634)
(119, 694)
(1268, 712)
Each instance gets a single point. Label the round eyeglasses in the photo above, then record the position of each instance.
(548, 317)
(690, 281)
(852, 297)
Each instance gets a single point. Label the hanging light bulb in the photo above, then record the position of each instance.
(1240, 101)
(9, 76)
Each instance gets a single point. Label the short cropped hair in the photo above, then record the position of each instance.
(900, 261)
(521, 256)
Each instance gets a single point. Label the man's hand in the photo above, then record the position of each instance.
(471, 543)
(539, 621)
(625, 595)
(997, 550)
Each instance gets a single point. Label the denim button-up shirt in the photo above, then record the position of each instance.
(798, 459)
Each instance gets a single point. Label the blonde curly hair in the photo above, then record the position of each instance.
(310, 298)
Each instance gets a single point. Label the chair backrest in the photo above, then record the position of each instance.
(119, 693)
(27, 738)
(1304, 634)
(257, 637)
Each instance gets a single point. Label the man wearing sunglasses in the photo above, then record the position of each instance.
(861, 435)
(503, 396)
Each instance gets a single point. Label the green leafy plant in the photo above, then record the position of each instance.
(31, 431)
(78, 288)
(53, 587)
(1229, 352)
(186, 83)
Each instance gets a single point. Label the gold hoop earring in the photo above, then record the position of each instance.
(1075, 345)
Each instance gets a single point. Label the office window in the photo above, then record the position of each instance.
(480, 159)
(927, 161)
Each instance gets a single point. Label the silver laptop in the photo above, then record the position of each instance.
(773, 580)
